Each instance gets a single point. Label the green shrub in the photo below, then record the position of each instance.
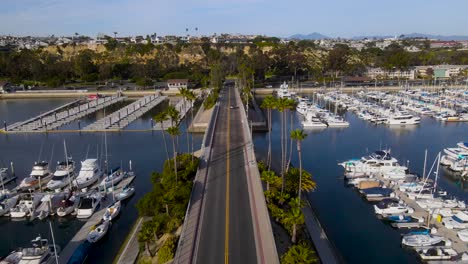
(167, 251)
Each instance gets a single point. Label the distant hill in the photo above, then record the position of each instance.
(415, 35)
(311, 36)
(315, 36)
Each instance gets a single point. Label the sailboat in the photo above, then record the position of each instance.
(112, 211)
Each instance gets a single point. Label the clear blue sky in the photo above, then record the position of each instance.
(334, 18)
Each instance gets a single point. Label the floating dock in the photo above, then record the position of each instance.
(183, 110)
(62, 115)
(123, 117)
(82, 234)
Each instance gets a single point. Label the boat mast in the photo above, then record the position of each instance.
(66, 162)
(437, 172)
(53, 241)
(425, 161)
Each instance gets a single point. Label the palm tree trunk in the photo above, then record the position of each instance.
(269, 140)
(148, 252)
(191, 135)
(164, 138)
(167, 209)
(291, 141)
(186, 128)
(300, 169)
(294, 231)
(282, 152)
(175, 158)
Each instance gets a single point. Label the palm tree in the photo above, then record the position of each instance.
(173, 114)
(269, 103)
(283, 104)
(299, 136)
(160, 118)
(294, 217)
(191, 97)
(174, 131)
(269, 177)
(301, 253)
(292, 109)
(183, 92)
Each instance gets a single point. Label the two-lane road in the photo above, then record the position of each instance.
(227, 233)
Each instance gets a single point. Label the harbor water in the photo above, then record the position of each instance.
(145, 149)
(348, 219)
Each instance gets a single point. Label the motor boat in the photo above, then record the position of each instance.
(403, 219)
(313, 123)
(283, 91)
(112, 211)
(41, 252)
(40, 175)
(392, 206)
(26, 206)
(98, 232)
(88, 205)
(7, 203)
(63, 175)
(302, 108)
(113, 179)
(68, 206)
(377, 193)
(436, 253)
(336, 121)
(89, 174)
(421, 240)
(403, 118)
(126, 192)
(457, 221)
(378, 162)
(45, 207)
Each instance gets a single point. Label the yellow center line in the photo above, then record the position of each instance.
(226, 235)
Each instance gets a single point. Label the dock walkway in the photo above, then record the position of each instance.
(183, 110)
(123, 117)
(82, 234)
(63, 115)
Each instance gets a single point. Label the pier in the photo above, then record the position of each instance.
(123, 117)
(62, 115)
(82, 234)
(183, 109)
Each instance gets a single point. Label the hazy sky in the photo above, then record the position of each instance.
(334, 18)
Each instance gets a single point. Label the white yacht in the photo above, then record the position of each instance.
(302, 108)
(403, 118)
(89, 174)
(336, 121)
(463, 235)
(378, 162)
(283, 91)
(391, 207)
(88, 205)
(7, 203)
(112, 211)
(113, 179)
(40, 175)
(63, 175)
(41, 252)
(421, 240)
(313, 123)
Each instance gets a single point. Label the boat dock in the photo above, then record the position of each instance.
(451, 234)
(123, 117)
(62, 115)
(81, 235)
(183, 110)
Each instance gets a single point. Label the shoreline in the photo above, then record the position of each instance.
(261, 91)
(78, 94)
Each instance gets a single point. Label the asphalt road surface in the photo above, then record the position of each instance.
(227, 234)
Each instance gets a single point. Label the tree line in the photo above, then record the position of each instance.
(264, 59)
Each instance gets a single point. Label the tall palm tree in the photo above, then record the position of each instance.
(160, 118)
(269, 103)
(184, 93)
(298, 135)
(174, 131)
(294, 217)
(283, 104)
(173, 114)
(191, 97)
(292, 109)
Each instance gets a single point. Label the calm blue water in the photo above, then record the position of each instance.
(349, 220)
(145, 149)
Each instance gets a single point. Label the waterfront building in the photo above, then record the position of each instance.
(176, 84)
(379, 73)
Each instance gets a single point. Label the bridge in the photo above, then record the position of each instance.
(227, 219)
